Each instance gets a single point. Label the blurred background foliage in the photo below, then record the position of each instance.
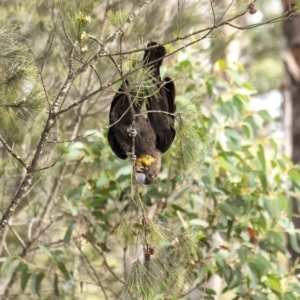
(216, 216)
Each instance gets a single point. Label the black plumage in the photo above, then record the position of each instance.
(161, 107)
(154, 133)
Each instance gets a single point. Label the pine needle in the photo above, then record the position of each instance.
(192, 143)
(117, 18)
(126, 233)
(22, 100)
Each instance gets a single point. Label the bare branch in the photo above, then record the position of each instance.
(106, 263)
(52, 118)
(213, 11)
(98, 281)
(193, 289)
(12, 153)
(225, 11)
(102, 48)
(3, 240)
(50, 43)
(40, 74)
(57, 183)
(17, 236)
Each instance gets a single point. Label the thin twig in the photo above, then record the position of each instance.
(12, 153)
(125, 262)
(225, 11)
(57, 182)
(24, 252)
(50, 43)
(178, 18)
(17, 236)
(98, 76)
(32, 186)
(106, 263)
(213, 11)
(191, 290)
(105, 51)
(80, 137)
(56, 161)
(184, 37)
(3, 240)
(41, 75)
(208, 30)
(96, 279)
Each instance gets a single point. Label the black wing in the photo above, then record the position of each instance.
(114, 145)
(115, 105)
(162, 121)
(120, 119)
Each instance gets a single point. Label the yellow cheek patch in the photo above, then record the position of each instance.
(145, 160)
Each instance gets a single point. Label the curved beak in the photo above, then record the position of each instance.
(140, 177)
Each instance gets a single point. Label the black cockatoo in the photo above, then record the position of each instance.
(154, 133)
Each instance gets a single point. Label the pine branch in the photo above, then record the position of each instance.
(128, 21)
(283, 17)
(207, 31)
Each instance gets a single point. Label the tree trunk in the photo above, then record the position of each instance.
(291, 91)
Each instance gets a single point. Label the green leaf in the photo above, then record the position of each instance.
(102, 181)
(45, 250)
(294, 242)
(182, 65)
(6, 263)
(295, 176)
(239, 102)
(63, 269)
(212, 174)
(220, 64)
(242, 253)
(55, 285)
(68, 234)
(190, 88)
(209, 88)
(247, 130)
(248, 86)
(181, 194)
(178, 208)
(33, 281)
(261, 222)
(24, 278)
(265, 115)
(251, 121)
(58, 254)
(274, 146)
(261, 264)
(123, 171)
(274, 284)
(288, 296)
(263, 181)
(232, 134)
(38, 282)
(227, 210)
(261, 157)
